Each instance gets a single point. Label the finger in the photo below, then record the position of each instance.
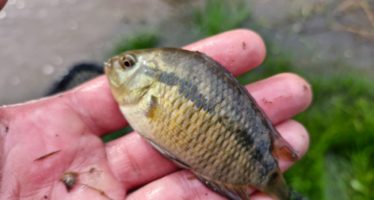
(180, 184)
(94, 103)
(260, 196)
(282, 96)
(2, 3)
(297, 136)
(239, 50)
(283, 85)
(177, 186)
(135, 162)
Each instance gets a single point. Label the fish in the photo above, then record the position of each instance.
(196, 113)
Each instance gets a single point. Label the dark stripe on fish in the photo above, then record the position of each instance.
(186, 88)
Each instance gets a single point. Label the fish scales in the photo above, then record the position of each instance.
(225, 97)
(198, 148)
(193, 110)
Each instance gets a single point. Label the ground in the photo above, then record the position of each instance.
(41, 40)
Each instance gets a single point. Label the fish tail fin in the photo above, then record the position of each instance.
(295, 195)
(277, 187)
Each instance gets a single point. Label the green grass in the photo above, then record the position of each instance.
(341, 126)
(220, 15)
(140, 40)
(117, 134)
(339, 163)
(340, 121)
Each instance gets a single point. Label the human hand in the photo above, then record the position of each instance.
(2, 3)
(43, 139)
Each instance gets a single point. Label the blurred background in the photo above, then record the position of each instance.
(329, 42)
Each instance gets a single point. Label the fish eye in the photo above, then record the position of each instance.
(128, 61)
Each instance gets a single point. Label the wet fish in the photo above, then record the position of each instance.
(193, 111)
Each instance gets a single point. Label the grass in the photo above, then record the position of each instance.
(219, 15)
(341, 126)
(139, 40)
(340, 120)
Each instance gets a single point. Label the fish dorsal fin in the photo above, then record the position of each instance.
(233, 192)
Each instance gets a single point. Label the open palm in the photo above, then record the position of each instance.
(46, 140)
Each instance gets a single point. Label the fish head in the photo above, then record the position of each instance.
(128, 75)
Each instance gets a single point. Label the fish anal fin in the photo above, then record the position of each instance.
(282, 149)
(277, 187)
(169, 155)
(232, 192)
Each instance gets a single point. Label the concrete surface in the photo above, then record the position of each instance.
(40, 39)
(324, 35)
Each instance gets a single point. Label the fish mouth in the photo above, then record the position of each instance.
(112, 71)
(107, 67)
(111, 64)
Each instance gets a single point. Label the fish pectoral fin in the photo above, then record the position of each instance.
(152, 107)
(233, 192)
(168, 155)
(282, 149)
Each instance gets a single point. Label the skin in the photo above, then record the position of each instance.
(2, 3)
(42, 140)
